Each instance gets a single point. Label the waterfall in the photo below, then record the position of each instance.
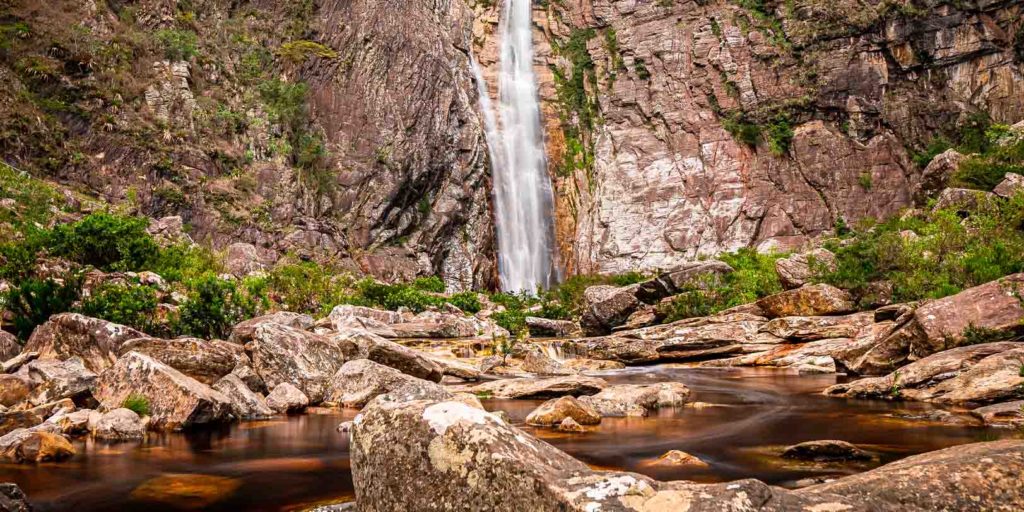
(523, 201)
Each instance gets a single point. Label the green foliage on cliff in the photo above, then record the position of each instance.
(297, 52)
(933, 254)
(128, 304)
(178, 44)
(1002, 153)
(215, 305)
(577, 109)
(105, 241)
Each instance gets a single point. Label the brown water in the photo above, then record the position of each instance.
(292, 463)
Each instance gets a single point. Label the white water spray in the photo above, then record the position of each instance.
(522, 189)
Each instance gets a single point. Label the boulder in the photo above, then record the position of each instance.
(252, 380)
(245, 403)
(456, 368)
(205, 361)
(994, 306)
(525, 388)
(879, 348)
(554, 411)
(570, 425)
(963, 200)
(346, 311)
(546, 327)
(607, 307)
(428, 455)
(538, 363)
(76, 423)
(306, 360)
(434, 324)
(14, 389)
(388, 353)
(581, 364)
(356, 323)
(825, 451)
(12, 499)
(798, 269)
(1011, 185)
(687, 276)
(637, 399)
(120, 425)
(808, 300)
(679, 458)
(982, 373)
(175, 400)
(286, 398)
(1009, 414)
(242, 259)
(31, 418)
(937, 173)
(27, 445)
(56, 380)
(13, 364)
(362, 380)
(242, 332)
(800, 329)
(69, 335)
(9, 345)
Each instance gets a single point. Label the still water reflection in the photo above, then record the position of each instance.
(295, 462)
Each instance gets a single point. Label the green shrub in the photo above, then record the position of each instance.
(394, 296)
(972, 335)
(285, 102)
(780, 134)
(307, 287)
(297, 52)
(178, 44)
(137, 403)
(512, 320)
(466, 301)
(986, 170)
(429, 284)
(752, 278)
(742, 130)
(32, 301)
(18, 257)
(215, 305)
(184, 262)
(133, 305)
(105, 241)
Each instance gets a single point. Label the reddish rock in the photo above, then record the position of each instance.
(808, 300)
(70, 334)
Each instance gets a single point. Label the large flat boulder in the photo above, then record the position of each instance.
(388, 353)
(575, 385)
(345, 311)
(981, 373)
(306, 360)
(56, 380)
(800, 329)
(362, 380)
(175, 400)
(436, 324)
(69, 335)
(996, 305)
(205, 361)
(637, 399)
(546, 327)
(446, 455)
(242, 332)
(808, 300)
(608, 307)
(798, 269)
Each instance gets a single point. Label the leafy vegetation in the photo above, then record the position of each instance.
(753, 277)
(137, 403)
(934, 254)
(34, 300)
(128, 304)
(178, 44)
(1001, 154)
(105, 241)
(297, 52)
(215, 305)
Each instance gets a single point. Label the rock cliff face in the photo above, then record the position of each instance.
(683, 128)
(341, 130)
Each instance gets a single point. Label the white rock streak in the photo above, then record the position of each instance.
(522, 187)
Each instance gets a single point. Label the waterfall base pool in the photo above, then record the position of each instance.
(296, 462)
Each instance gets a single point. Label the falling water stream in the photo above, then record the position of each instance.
(522, 188)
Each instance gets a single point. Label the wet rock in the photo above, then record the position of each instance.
(362, 380)
(346, 311)
(26, 445)
(245, 403)
(544, 327)
(120, 425)
(982, 373)
(308, 361)
(242, 259)
(801, 329)
(57, 380)
(808, 300)
(188, 491)
(570, 425)
(1011, 185)
(243, 331)
(1010, 414)
(286, 398)
(12, 499)
(679, 458)
(69, 335)
(205, 361)
(175, 400)
(9, 345)
(14, 389)
(798, 269)
(76, 423)
(538, 363)
(585, 365)
(388, 353)
(637, 399)
(11, 420)
(556, 410)
(825, 451)
(576, 385)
